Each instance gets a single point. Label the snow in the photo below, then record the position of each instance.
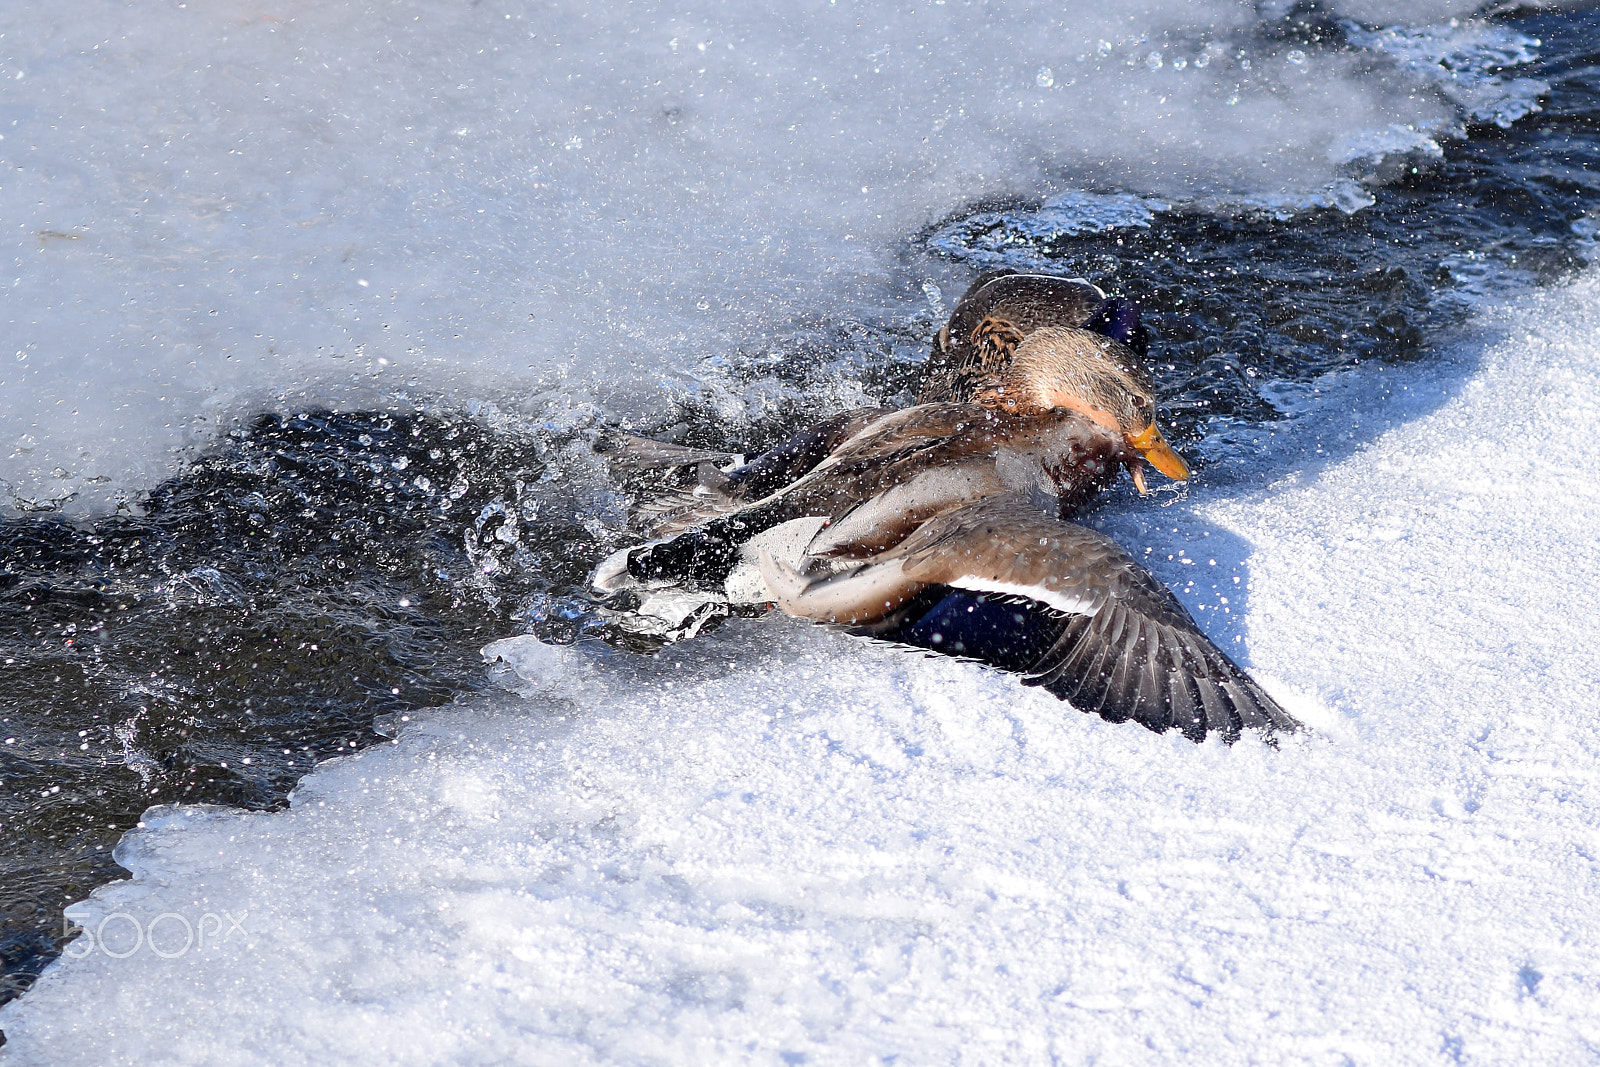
(218, 205)
(776, 844)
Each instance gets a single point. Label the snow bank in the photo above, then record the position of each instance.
(218, 204)
(779, 845)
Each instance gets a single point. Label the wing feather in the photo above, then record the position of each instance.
(1125, 676)
(1218, 717)
(1129, 649)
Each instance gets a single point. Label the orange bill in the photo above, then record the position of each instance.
(1158, 453)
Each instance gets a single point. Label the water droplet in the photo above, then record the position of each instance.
(1296, 57)
(1045, 78)
(1153, 60)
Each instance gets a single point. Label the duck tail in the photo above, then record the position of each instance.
(706, 554)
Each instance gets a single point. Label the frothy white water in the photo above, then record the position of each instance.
(214, 204)
(779, 845)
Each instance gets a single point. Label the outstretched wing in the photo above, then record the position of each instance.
(1061, 605)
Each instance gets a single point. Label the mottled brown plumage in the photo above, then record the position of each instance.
(901, 470)
(1057, 425)
(996, 314)
(946, 522)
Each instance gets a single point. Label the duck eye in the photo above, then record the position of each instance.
(1142, 403)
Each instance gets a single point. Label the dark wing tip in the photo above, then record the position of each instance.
(1167, 676)
(1119, 664)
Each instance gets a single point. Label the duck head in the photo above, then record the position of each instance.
(1094, 375)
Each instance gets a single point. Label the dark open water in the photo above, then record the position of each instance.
(317, 573)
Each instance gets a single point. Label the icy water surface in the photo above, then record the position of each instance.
(311, 573)
(313, 577)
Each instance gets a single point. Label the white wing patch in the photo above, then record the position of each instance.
(1061, 601)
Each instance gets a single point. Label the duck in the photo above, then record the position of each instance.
(946, 526)
(1057, 425)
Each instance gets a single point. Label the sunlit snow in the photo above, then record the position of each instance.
(775, 842)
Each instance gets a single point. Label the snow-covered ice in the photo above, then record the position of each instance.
(220, 204)
(776, 844)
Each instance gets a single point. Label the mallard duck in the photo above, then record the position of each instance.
(1057, 426)
(1059, 604)
(943, 526)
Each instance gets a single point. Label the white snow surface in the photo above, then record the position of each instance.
(777, 844)
(214, 205)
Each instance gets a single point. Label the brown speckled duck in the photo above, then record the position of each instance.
(943, 525)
